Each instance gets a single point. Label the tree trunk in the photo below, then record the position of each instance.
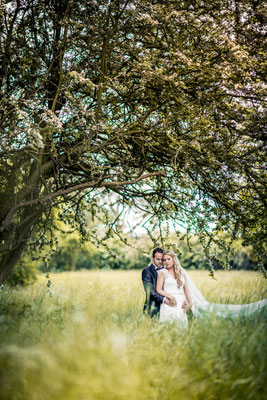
(10, 257)
(72, 266)
(9, 261)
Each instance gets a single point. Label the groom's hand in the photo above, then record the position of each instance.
(184, 305)
(167, 301)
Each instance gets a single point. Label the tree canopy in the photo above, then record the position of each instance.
(159, 102)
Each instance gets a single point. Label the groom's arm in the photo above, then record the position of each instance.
(149, 287)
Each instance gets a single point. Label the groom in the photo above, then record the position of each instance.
(149, 278)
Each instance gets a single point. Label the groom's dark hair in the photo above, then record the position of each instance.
(157, 250)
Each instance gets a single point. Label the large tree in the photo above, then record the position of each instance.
(158, 102)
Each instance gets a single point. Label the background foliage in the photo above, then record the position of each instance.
(121, 256)
(25, 272)
(72, 255)
(155, 106)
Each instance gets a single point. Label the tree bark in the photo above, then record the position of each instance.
(22, 236)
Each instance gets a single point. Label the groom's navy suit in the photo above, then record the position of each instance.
(153, 299)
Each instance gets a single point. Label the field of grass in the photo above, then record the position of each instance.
(89, 340)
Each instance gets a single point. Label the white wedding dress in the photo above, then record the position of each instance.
(176, 313)
(201, 307)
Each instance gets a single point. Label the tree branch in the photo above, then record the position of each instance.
(71, 189)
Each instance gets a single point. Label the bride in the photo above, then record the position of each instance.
(174, 283)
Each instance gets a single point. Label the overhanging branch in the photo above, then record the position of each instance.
(71, 189)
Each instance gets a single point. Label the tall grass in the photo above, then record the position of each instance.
(89, 340)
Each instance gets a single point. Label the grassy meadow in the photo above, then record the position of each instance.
(88, 339)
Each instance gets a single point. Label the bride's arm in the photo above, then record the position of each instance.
(160, 281)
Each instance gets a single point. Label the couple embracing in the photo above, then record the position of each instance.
(167, 292)
(171, 293)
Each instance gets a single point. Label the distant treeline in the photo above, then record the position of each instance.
(72, 256)
(119, 256)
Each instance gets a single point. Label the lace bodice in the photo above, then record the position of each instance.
(170, 284)
(175, 312)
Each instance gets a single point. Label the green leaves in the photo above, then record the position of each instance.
(101, 95)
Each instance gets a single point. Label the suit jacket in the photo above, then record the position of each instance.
(153, 299)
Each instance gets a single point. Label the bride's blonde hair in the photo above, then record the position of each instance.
(176, 266)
